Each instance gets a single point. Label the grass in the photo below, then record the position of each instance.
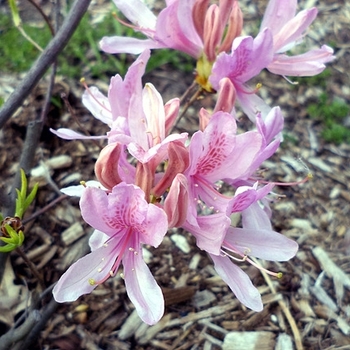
(82, 56)
(331, 113)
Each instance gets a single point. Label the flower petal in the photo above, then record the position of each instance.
(142, 288)
(277, 14)
(308, 64)
(239, 282)
(137, 12)
(78, 279)
(263, 244)
(68, 134)
(210, 232)
(121, 44)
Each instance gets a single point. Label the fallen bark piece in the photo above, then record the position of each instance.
(249, 341)
(331, 269)
(284, 342)
(130, 326)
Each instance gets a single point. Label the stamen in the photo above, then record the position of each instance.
(308, 177)
(275, 274)
(246, 258)
(291, 82)
(82, 80)
(149, 33)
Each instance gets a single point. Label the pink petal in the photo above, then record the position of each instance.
(121, 44)
(292, 31)
(239, 282)
(94, 210)
(155, 226)
(252, 104)
(216, 143)
(243, 198)
(97, 240)
(142, 288)
(120, 92)
(278, 13)
(76, 280)
(240, 161)
(210, 232)
(263, 244)
(68, 134)
(137, 12)
(254, 218)
(153, 108)
(79, 189)
(176, 30)
(308, 64)
(97, 104)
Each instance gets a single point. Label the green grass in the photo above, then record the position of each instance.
(16, 53)
(82, 56)
(331, 113)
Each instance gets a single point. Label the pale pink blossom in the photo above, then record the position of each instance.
(288, 30)
(256, 239)
(190, 26)
(123, 222)
(247, 58)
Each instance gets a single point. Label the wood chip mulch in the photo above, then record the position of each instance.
(308, 308)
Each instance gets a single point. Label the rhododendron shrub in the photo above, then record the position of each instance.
(152, 178)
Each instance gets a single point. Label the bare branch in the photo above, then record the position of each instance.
(44, 61)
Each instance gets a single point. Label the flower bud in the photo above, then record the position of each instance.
(226, 96)
(178, 162)
(176, 202)
(234, 29)
(106, 167)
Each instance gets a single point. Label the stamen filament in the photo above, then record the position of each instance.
(83, 82)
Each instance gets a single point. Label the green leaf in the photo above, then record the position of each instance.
(31, 197)
(8, 240)
(7, 248)
(15, 13)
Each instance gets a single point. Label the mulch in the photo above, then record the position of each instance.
(308, 308)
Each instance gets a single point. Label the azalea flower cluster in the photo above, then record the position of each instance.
(151, 179)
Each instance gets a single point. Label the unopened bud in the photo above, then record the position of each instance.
(226, 96)
(106, 167)
(176, 202)
(178, 162)
(234, 29)
(171, 109)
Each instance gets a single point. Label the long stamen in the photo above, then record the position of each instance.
(116, 264)
(135, 28)
(307, 178)
(82, 80)
(246, 258)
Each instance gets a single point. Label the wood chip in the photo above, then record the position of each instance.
(284, 342)
(331, 269)
(72, 233)
(249, 341)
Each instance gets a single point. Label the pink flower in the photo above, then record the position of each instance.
(123, 221)
(192, 26)
(216, 154)
(247, 58)
(256, 239)
(189, 26)
(288, 29)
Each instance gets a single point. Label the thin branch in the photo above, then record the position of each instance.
(46, 19)
(19, 333)
(37, 328)
(44, 61)
(43, 210)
